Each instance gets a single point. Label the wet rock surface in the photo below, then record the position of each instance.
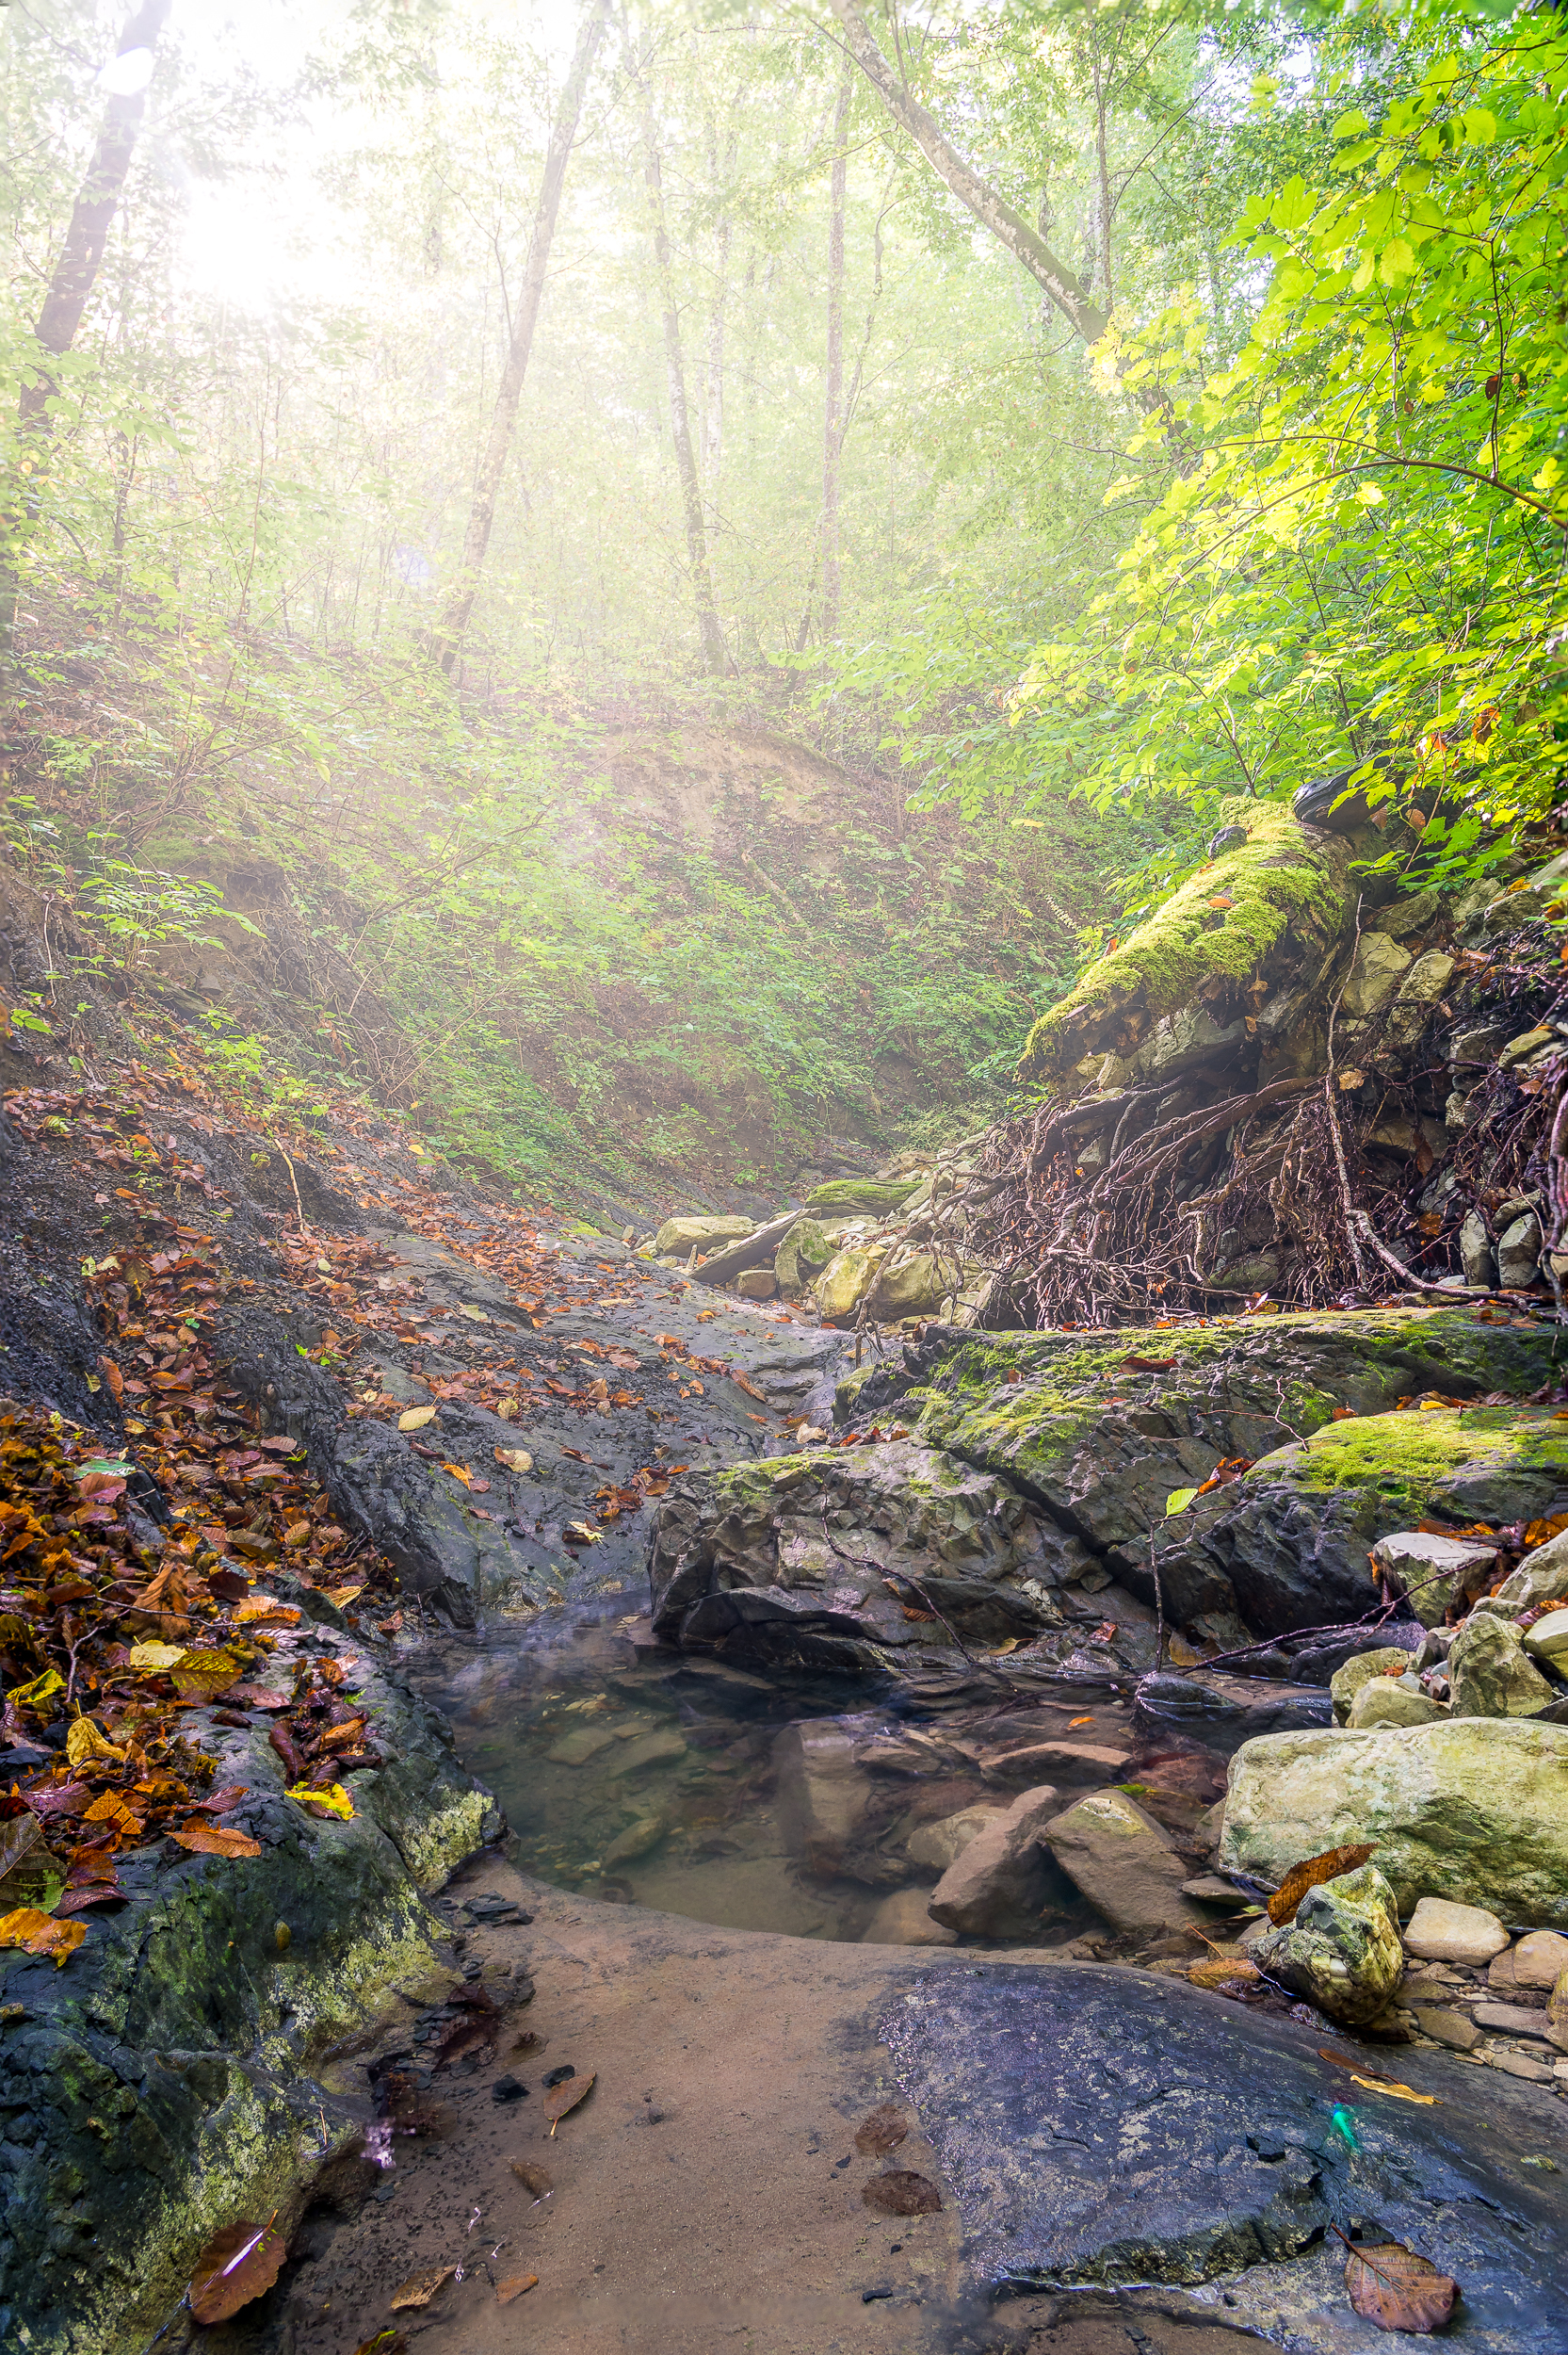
(1098, 2127)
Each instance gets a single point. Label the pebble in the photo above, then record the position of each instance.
(1441, 1931)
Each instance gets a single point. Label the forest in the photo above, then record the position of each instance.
(784, 1118)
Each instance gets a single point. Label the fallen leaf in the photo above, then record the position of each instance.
(109, 1810)
(333, 1800)
(1215, 1970)
(744, 1382)
(566, 2096)
(416, 1417)
(902, 2192)
(41, 1689)
(579, 1534)
(16, 1837)
(84, 1743)
(152, 1660)
(236, 2266)
(881, 2132)
(1392, 2086)
(340, 1596)
(1074, 1722)
(1310, 1874)
(387, 2342)
(216, 1839)
(1148, 1365)
(516, 1459)
(474, 1316)
(1352, 1079)
(1392, 2286)
(459, 1471)
(219, 1802)
(513, 2286)
(420, 2288)
(40, 1934)
(1178, 1501)
(538, 2180)
(202, 1674)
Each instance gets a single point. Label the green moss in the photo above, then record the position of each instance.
(1410, 1453)
(860, 1193)
(1273, 877)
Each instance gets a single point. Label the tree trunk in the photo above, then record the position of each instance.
(1100, 110)
(715, 653)
(448, 635)
(834, 424)
(74, 275)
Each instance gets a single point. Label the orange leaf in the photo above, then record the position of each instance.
(236, 2266)
(459, 1471)
(1310, 1874)
(109, 1810)
(214, 1839)
(513, 2286)
(1390, 2285)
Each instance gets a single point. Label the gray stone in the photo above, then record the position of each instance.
(1377, 969)
(636, 1840)
(1526, 1045)
(1429, 1572)
(1341, 1952)
(1519, 1253)
(1346, 1682)
(1420, 991)
(940, 1844)
(1455, 2029)
(1101, 2128)
(700, 1232)
(999, 1886)
(1548, 1639)
(1223, 1711)
(1542, 1575)
(1511, 2020)
(1124, 1863)
(1392, 1701)
(1470, 1808)
(1179, 1042)
(1490, 1673)
(1441, 1931)
(824, 1795)
(801, 1257)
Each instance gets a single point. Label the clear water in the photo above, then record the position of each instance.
(643, 1777)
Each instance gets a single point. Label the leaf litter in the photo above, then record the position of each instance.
(238, 2264)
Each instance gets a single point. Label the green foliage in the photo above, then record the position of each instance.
(1357, 561)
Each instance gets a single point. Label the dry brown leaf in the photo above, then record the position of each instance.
(1310, 1874)
(236, 2266)
(516, 1459)
(514, 2286)
(534, 2179)
(387, 2342)
(215, 1840)
(416, 1419)
(109, 1810)
(420, 2288)
(1216, 1968)
(1392, 2286)
(902, 2192)
(565, 2097)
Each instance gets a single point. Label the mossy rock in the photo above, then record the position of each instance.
(1293, 1536)
(1101, 1445)
(1284, 878)
(864, 1197)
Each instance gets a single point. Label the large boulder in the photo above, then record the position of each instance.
(700, 1232)
(1341, 1952)
(1100, 1440)
(939, 1846)
(1392, 1701)
(1431, 1573)
(804, 1252)
(1491, 1673)
(1377, 969)
(1124, 1863)
(1001, 1883)
(886, 1547)
(1542, 1575)
(1470, 1810)
(845, 1283)
(912, 1283)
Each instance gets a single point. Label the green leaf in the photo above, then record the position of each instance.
(1178, 1501)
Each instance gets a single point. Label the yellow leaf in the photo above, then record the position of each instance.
(340, 1596)
(37, 1934)
(459, 1471)
(41, 1689)
(334, 1799)
(416, 1417)
(266, 1610)
(85, 1742)
(107, 1808)
(155, 1660)
(516, 1459)
(201, 1674)
(1352, 1079)
(1398, 2092)
(474, 1316)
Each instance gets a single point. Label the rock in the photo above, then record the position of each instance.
(1470, 1810)
(1527, 1042)
(940, 1844)
(576, 1748)
(1377, 969)
(1557, 2013)
(1317, 1661)
(1124, 1863)
(1489, 1672)
(1518, 2065)
(757, 1283)
(824, 1795)
(1454, 2028)
(1519, 1253)
(1341, 1952)
(904, 1920)
(754, 1250)
(844, 1283)
(1441, 1931)
(804, 1252)
(1548, 1637)
(1223, 1711)
(1511, 2020)
(1000, 1884)
(1182, 1040)
(1395, 1132)
(913, 1283)
(683, 1235)
(1542, 1575)
(1540, 1959)
(1106, 2128)
(1418, 992)
(1392, 1701)
(843, 1197)
(1346, 1682)
(1474, 1245)
(790, 1558)
(636, 1840)
(1433, 1573)
(648, 1749)
(1090, 1762)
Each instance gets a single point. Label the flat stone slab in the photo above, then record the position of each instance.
(1111, 2128)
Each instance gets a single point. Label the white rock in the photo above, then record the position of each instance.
(1548, 1637)
(1430, 1571)
(1519, 1253)
(1439, 1931)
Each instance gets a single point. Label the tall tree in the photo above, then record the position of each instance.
(835, 420)
(715, 652)
(71, 286)
(448, 636)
